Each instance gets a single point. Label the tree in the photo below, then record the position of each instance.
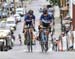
(54, 2)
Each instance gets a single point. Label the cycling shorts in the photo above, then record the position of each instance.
(28, 23)
(45, 24)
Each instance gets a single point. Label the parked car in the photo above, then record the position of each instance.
(4, 14)
(11, 22)
(17, 17)
(5, 5)
(11, 6)
(5, 37)
(20, 11)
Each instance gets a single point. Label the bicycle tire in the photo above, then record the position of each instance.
(29, 44)
(43, 44)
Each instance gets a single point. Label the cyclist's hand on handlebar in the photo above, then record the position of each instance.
(41, 26)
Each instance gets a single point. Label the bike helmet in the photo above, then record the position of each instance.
(30, 12)
(45, 11)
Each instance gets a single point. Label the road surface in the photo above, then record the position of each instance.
(20, 51)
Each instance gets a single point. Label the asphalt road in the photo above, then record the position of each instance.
(20, 51)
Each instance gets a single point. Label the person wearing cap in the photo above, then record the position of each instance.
(54, 42)
(70, 38)
(63, 42)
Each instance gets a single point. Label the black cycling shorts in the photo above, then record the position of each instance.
(45, 24)
(29, 23)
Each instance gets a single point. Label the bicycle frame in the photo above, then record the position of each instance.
(44, 39)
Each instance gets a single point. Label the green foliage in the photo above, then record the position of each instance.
(54, 2)
(24, 0)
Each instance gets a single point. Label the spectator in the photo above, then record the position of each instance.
(63, 39)
(54, 42)
(70, 39)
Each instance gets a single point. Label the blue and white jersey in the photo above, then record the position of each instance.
(47, 19)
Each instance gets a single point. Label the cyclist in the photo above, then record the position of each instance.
(30, 22)
(29, 18)
(46, 20)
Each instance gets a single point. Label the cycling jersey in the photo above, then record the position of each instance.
(29, 19)
(46, 19)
